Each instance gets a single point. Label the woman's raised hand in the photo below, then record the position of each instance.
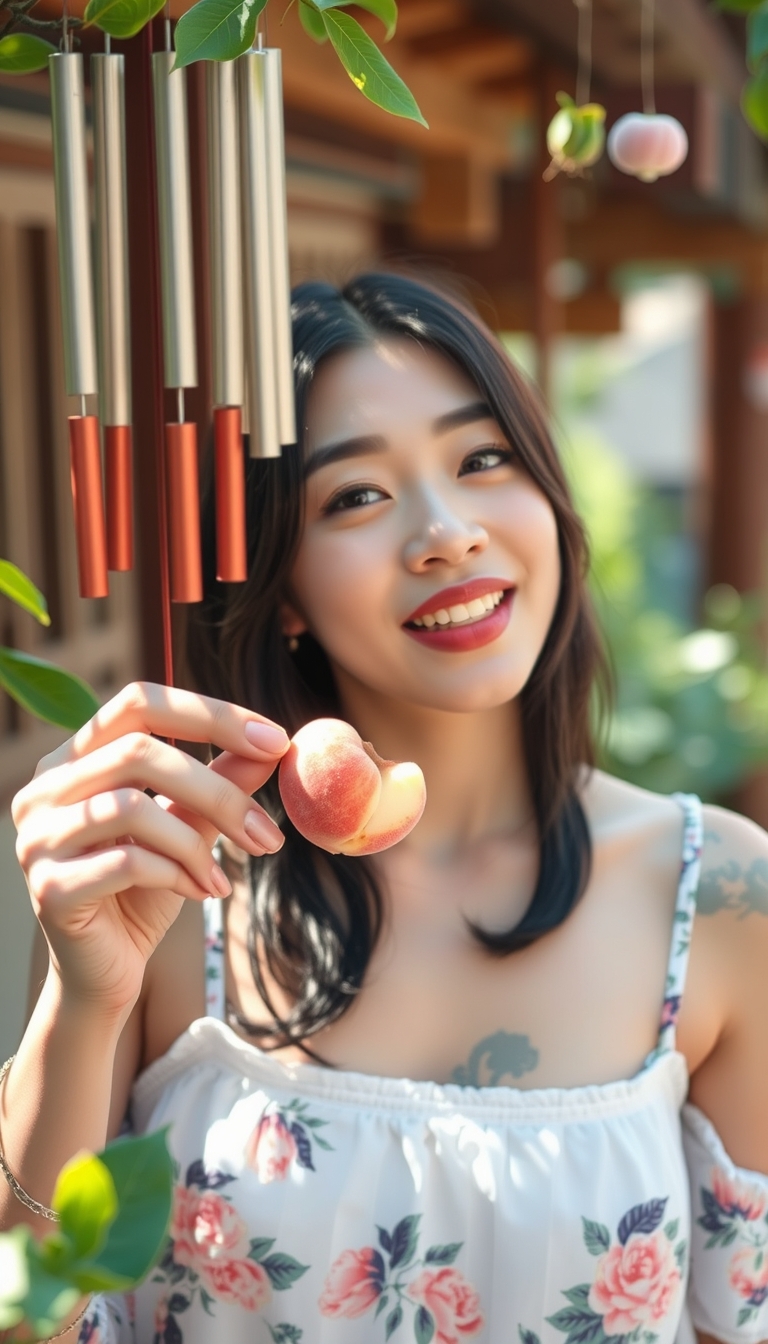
(107, 866)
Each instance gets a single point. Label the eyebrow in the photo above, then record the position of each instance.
(364, 445)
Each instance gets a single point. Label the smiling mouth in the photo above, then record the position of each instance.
(463, 613)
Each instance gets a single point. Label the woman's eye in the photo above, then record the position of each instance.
(355, 498)
(484, 459)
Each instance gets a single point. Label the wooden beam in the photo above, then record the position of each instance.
(621, 231)
(417, 18)
(472, 55)
(458, 204)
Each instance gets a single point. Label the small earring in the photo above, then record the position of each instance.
(293, 643)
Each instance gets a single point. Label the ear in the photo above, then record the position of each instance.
(291, 621)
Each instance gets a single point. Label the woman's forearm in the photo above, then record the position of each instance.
(55, 1099)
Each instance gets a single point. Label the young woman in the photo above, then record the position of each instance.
(454, 1091)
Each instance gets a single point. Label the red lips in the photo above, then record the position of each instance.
(459, 593)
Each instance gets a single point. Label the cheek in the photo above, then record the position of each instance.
(531, 530)
(340, 579)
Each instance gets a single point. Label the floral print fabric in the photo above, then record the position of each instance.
(316, 1206)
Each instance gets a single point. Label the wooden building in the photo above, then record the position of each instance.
(468, 197)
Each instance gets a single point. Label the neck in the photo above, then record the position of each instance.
(473, 764)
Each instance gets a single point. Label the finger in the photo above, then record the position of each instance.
(246, 775)
(138, 761)
(58, 887)
(168, 711)
(101, 822)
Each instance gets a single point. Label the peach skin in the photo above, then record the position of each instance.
(342, 796)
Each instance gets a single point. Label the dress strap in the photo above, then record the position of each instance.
(213, 916)
(682, 928)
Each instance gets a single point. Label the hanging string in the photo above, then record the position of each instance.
(646, 56)
(584, 49)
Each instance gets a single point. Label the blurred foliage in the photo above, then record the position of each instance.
(691, 709)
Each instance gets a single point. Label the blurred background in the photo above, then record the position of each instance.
(640, 310)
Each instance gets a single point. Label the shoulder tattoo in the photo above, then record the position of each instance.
(496, 1059)
(733, 886)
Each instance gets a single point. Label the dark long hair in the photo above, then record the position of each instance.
(315, 917)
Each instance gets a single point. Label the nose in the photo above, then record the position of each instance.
(441, 535)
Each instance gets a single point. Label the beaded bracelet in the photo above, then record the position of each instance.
(34, 1206)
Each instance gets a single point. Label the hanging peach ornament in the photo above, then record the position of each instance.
(647, 145)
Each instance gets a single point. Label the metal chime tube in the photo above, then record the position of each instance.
(278, 228)
(79, 326)
(178, 302)
(108, 82)
(228, 351)
(261, 364)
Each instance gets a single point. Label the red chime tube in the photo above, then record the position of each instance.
(184, 512)
(231, 549)
(88, 500)
(118, 462)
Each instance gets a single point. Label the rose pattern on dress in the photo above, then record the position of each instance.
(446, 1308)
(734, 1209)
(636, 1282)
(281, 1137)
(210, 1253)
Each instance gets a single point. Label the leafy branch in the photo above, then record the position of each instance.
(40, 687)
(222, 30)
(113, 1209)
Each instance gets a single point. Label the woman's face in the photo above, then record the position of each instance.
(428, 568)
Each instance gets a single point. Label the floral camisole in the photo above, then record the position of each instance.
(317, 1206)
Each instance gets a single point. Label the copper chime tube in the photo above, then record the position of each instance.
(112, 289)
(178, 303)
(261, 367)
(79, 326)
(226, 293)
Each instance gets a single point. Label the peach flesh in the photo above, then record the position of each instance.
(342, 796)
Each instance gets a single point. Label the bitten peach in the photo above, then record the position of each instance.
(342, 796)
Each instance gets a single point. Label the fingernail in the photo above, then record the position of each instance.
(266, 737)
(220, 881)
(263, 831)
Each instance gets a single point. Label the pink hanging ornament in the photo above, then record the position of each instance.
(647, 145)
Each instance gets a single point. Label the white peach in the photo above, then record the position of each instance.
(342, 796)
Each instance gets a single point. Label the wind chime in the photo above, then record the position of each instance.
(252, 350)
(647, 144)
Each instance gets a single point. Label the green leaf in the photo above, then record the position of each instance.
(23, 54)
(754, 102)
(423, 1326)
(14, 1274)
(21, 590)
(757, 38)
(49, 1298)
(670, 1229)
(597, 1238)
(283, 1270)
(121, 18)
(367, 68)
(259, 1247)
(312, 22)
(86, 1202)
(739, 6)
(47, 691)
(386, 10)
(142, 1171)
(392, 1322)
(216, 30)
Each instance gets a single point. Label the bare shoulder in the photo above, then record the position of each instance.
(634, 821)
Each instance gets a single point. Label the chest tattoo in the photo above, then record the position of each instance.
(496, 1060)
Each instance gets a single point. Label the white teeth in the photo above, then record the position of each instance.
(461, 612)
